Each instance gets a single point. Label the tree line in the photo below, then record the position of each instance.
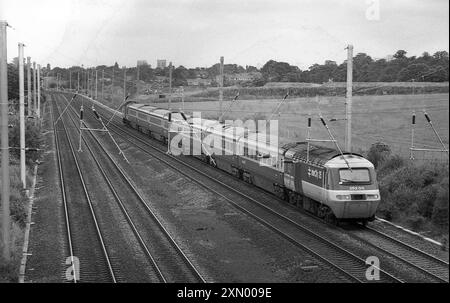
(400, 68)
(397, 68)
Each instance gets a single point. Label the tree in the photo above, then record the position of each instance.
(280, 71)
(180, 74)
(250, 68)
(13, 81)
(400, 54)
(389, 73)
(441, 56)
(361, 65)
(414, 72)
(378, 152)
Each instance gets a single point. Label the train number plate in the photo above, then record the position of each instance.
(357, 188)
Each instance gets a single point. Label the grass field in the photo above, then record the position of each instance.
(375, 118)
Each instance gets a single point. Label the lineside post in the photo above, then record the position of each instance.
(103, 82)
(38, 92)
(34, 88)
(348, 111)
(22, 116)
(30, 108)
(4, 142)
(96, 84)
(413, 124)
(170, 85)
(124, 82)
(221, 84)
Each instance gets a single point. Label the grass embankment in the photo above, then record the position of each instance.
(414, 194)
(327, 89)
(18, 208)
(9, 271)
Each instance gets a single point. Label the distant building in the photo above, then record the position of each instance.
(141, 62)
(161, 63)
(16, 62)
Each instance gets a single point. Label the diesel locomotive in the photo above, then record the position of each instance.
(332, 185)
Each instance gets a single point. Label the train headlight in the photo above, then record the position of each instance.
(373, 196)
(343, 197)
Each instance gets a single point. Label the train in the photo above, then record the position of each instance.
(335, 186)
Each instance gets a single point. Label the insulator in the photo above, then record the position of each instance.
(428, 118)
(309, 122)
(81, 114)
(96, 114)
(414, 119)
(323, 121)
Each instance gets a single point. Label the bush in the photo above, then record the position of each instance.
(390, 164)
(17, 196)
(378, 152)
(33, 139)
(412, 194)
(439, 215)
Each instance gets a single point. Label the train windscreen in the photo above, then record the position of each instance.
(355, 175)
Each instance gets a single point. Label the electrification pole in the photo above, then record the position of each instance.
(96, 78)
(221, 85)
(30, 108)
(38, 91)
(137, 71)
(92, 83)
(87, 82)
(34, 88)
(348, 111)
(78, 81)
(103, 82)
(170, 85)
(112, 83)
(182, 98)
(124, 82)
(22, 116)
(4, 141)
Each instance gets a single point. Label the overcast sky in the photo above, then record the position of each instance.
(197, 32)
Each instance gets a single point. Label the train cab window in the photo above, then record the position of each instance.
(356, 175)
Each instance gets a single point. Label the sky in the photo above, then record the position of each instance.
(197, 32)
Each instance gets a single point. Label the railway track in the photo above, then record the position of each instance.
(429, 265)
(87, 247)
(169, 261)
(347, 263)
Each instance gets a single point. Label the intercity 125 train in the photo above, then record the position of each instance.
(332, 185)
